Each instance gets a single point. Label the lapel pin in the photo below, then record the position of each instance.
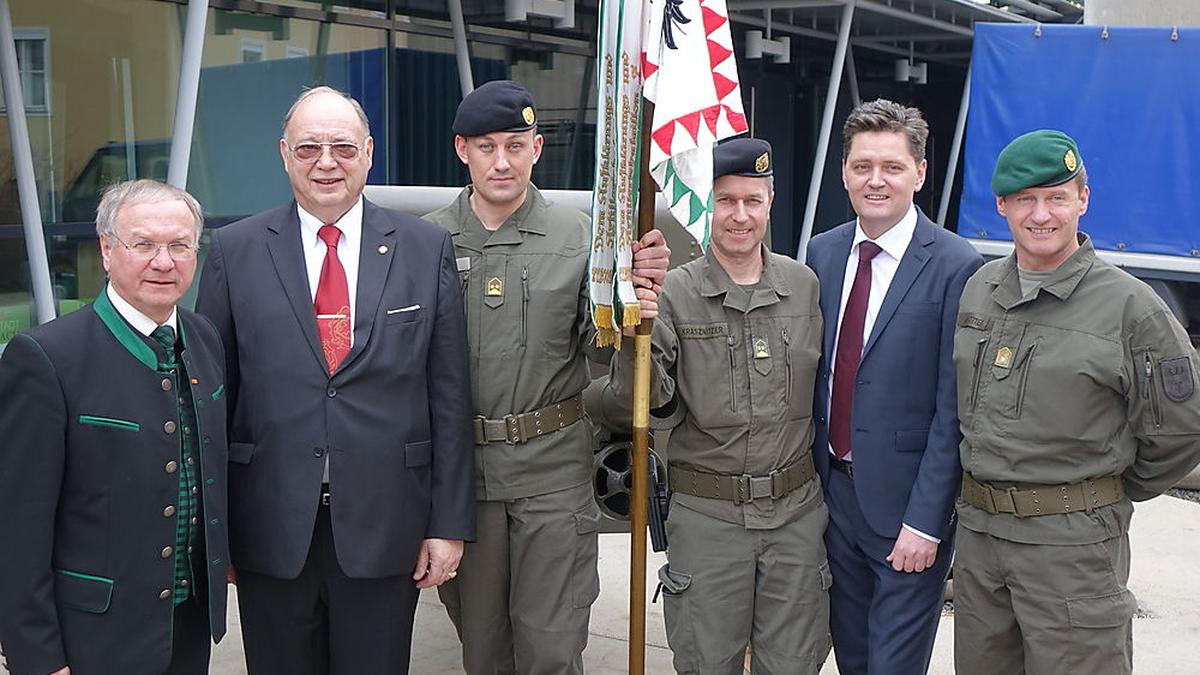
(382, 249)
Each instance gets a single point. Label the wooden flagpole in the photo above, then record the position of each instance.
(640, 462)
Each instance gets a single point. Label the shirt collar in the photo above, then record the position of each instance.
(895, 241)
(350, 224)
(141, 323)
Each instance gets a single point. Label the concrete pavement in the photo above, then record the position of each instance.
(1165, 576)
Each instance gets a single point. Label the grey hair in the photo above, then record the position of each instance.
(888, 116)
(143, 191)
(316, 91)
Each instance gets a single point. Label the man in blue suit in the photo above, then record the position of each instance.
(887, 427)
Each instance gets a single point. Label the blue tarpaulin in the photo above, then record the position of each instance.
(1130, 96)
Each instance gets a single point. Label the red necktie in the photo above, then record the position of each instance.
(849, 352)
(332, 303)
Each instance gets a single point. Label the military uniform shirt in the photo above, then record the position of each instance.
(529, 330)
(742, 365)
(1090, 376)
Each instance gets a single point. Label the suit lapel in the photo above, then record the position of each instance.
(374, 261)
(831, 283)
(911, 263)
(287, 253)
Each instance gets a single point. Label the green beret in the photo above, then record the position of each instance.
(1041, 158)
(499, 105)
(742, 157)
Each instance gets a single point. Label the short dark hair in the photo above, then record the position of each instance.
(889, 116)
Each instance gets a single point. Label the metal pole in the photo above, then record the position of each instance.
(639, 494)
(852, 78)
(189, 85)
(960, 126)
(461, 54)
(818, 172)
(18, 130)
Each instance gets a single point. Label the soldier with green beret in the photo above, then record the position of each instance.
(522, 597)
(735, 351)
(1077, 396)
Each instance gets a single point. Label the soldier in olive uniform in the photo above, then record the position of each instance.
(523, 594)
(736, 346)
(1077, 394)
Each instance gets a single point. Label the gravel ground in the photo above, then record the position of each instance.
(1190, 495)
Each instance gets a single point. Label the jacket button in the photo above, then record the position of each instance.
(164, 594)
(169, 427)
(166, 384)
(214, 522)
(167, 551)
(171, 467)
(208, 439)
(169, 511)
(331, 392)
(318, 452)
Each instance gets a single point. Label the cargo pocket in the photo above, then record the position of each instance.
(1113, 610)
(677, 614)
(587, 551)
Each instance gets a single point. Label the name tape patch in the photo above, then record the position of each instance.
(700, 331)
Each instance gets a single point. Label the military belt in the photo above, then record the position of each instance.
(519, 428)
(743, 488)
(1041, 500)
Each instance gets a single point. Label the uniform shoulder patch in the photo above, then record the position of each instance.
(1178, 383)
(700, 331)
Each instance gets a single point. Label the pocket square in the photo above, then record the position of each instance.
(410, 308)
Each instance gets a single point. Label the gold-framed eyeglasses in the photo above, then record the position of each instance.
(311, 151)
(144, 249)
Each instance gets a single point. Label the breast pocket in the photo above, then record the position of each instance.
(549, 291)
(801, 338)
(707, 372)
(972, 340)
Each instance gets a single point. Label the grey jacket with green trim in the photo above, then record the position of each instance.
(83, 487)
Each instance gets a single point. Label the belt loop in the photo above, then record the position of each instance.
(778, 483)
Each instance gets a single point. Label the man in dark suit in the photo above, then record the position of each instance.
(112, 464)
(351, 469)
(887, 425)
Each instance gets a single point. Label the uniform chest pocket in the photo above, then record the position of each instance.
(707, 371)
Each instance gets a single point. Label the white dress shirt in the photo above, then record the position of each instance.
(893, 243)
(349, 246)
(140, 322)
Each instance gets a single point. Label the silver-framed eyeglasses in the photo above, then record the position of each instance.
(311, 151)
(144, 249)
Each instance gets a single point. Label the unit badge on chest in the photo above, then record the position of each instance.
(494, 288)
(1003, 358)
(762, 350)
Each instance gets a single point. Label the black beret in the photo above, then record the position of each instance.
(499, 105)
(1042, 158)
(742, 157)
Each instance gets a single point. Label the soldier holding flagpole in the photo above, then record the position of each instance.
(523, 594)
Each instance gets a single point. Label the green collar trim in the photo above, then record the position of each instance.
(126, 335)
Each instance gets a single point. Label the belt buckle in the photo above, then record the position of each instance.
(514, 431)
(750, 488)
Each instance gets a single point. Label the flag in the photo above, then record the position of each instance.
(615, 195)
(691, 77)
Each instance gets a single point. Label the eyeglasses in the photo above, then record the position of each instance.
(148, 250)
(311, 152)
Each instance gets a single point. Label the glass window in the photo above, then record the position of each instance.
(235, 167)
(32, 63)
(100, 78)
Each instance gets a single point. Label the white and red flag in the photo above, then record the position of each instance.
(691, 77)
(679, 55)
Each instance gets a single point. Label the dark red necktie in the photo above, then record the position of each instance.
(849, 352)
(332, 303)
